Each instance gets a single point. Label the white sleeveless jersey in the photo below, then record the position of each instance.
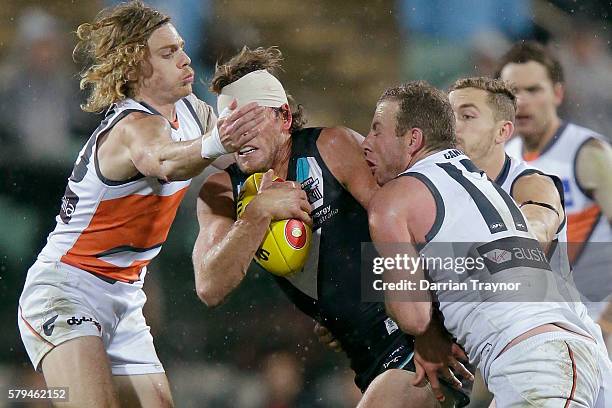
(514, 169)
(587, 225)
(114, 229)
(477, 219)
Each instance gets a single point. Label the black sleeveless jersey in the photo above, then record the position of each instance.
(329, 287)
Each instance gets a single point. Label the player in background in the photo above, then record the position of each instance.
(433, 195)
(328, 182)
(80, 312)
(484, 111)
(577, 155)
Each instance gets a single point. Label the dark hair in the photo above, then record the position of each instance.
(525, 51)
(427, 108)
(247, 61)
(501, 96)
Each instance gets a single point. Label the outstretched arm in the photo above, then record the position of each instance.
(153, 152)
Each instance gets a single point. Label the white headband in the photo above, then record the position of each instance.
(257, 86)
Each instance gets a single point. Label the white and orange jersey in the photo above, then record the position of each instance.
(586, 223)
(515, 168)
(588, 231)
(114, 229)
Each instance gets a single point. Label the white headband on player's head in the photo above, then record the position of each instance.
(257, 86)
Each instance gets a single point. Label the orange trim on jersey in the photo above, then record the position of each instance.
(530, 156)
(574, 375)
(138, 221)
(579, 227)
(32, 329)
(175, 123)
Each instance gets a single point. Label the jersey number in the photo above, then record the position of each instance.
(491, 215)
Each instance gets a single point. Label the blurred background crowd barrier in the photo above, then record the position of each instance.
(256, 350)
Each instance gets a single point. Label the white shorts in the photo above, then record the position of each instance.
(60, 303)
(555, 369)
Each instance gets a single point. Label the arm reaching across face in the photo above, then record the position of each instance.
(153, 152)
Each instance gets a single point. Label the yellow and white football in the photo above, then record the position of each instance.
(285, 246)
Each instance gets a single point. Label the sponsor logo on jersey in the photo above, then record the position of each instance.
(69, 202)
(513, 252)
(391, 326)
(530, 254)
(75, 321)
(498, 256)
(49, 325)
(309, 174)
(398, 358)
(497, 227)
(311, 187)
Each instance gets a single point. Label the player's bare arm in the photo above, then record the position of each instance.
(593, 165)
(396, 218)
(141, 143)
(341, 150)
(225, 246)
(393, 220)
(540, 202)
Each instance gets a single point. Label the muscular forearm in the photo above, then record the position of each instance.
(412, 317)
(411, 309)
(181, 160)
(543, 223)
(221, 268)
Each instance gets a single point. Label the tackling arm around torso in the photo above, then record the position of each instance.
(540, 202)
(342, 153)
(398, 218)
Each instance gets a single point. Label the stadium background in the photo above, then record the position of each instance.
(256, 350)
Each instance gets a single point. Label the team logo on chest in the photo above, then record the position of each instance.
(309, 175)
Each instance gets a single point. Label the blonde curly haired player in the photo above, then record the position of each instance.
(80, 313)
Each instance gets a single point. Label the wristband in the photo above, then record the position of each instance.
(212, 146)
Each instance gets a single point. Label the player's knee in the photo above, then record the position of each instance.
(393, 388)
(394, 378)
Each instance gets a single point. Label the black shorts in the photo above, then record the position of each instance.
(401, 357)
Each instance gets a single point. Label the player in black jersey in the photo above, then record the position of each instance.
(328, 182)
